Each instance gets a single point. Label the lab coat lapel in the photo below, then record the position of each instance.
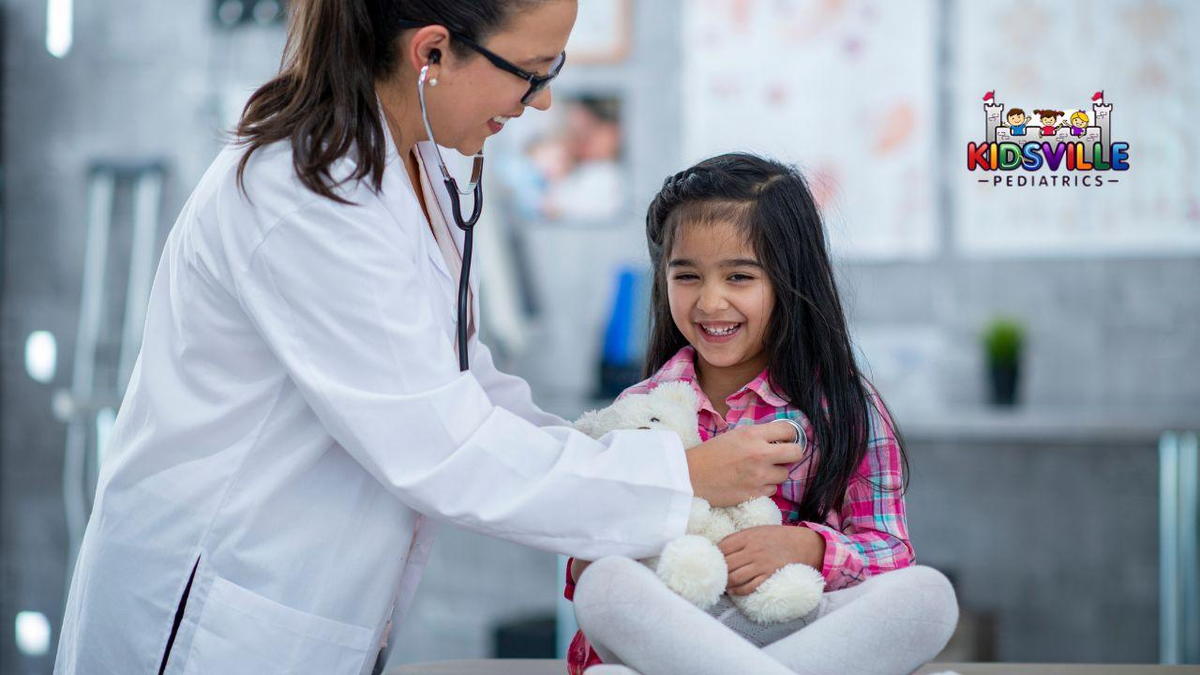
(445, 206)
(402, 201)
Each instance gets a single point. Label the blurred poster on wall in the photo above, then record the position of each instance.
(602, 32)
(844, 90)
(1127, 70)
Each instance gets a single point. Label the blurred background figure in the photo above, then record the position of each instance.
(592, 189)
(1037, 345)
(570, 173)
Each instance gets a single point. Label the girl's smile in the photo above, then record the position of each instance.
(718, 332)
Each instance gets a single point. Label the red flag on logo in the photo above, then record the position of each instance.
(990, 95)
(1098, 96)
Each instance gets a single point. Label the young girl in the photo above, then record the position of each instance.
(745, 308)
(1050, 123)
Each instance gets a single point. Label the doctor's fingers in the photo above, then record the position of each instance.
(784, 453)
(763, 478)
(775, 473)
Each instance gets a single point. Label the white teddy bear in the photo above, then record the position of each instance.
(692, 565)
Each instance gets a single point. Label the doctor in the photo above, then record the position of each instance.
(297, 411)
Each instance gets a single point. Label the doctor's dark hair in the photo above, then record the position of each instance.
(810, 360)
(323, 99)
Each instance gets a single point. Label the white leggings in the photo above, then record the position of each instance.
(891, 623)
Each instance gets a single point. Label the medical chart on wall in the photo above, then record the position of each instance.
(1125, 72)
(844, 90)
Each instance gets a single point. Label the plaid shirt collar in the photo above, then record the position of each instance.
(682, 367)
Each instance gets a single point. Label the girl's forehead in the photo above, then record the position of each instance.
(711, 238)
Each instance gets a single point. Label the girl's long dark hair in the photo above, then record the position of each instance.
(323, 99)
(809, 356)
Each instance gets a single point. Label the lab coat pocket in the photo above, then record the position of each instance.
(241, 632)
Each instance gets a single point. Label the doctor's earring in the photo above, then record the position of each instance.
(435, 56)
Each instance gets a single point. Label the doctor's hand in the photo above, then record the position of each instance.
(743, 463)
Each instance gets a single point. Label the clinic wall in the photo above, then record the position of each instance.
(1117, 335)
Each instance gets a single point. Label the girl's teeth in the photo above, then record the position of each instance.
(721, 331)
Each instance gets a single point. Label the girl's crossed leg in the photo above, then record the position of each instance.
(890, 623)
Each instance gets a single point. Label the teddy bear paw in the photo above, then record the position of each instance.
(790, 593)
(693, 567)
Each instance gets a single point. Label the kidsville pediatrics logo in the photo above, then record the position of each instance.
(1071, 147)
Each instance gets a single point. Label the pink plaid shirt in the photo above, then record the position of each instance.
(866, 536)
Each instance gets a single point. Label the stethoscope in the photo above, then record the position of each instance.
(467, 225)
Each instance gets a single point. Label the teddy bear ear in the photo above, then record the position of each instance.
(589, 423)
(678, 392)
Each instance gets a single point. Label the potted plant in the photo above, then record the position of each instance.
(1003, 341)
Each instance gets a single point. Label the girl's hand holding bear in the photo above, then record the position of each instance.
(754, 554)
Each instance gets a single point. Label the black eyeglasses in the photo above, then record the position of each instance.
(536, 82)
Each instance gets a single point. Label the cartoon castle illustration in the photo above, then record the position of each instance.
(1098, 132)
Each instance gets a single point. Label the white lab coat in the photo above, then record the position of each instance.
(295, 416)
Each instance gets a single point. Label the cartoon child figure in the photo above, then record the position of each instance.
(1049, 120)
(1017, 121)
(1079, 123)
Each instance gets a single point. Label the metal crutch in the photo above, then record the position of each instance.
(88, 409)
(1179, 560)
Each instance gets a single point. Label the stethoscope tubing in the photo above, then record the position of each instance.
(467, 225)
